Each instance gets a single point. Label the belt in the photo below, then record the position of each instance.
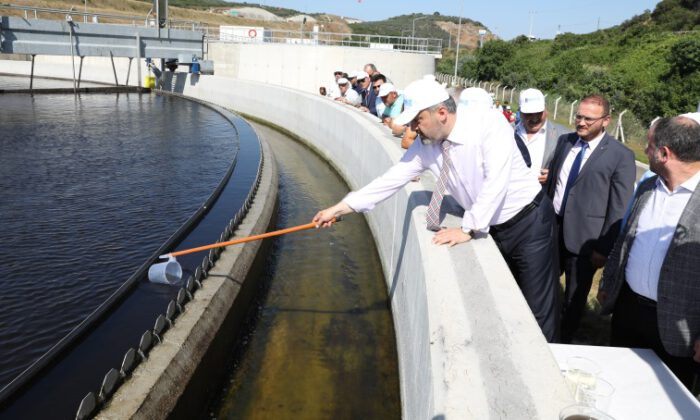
(522, 213)
(642, 300)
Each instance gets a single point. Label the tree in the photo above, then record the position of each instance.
(491, 59)
(685, 57)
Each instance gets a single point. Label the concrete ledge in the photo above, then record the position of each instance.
(161, 382)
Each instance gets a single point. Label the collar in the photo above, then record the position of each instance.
(469, 123)
(593, 143)
(690, 184)
(520, 129)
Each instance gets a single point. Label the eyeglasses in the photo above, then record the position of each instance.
(377, 86)
(588, 120)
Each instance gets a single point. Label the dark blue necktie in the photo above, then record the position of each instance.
(573, 174)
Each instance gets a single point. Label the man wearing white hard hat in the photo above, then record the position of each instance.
(393, 103)
(475, 160)
(474, 98)
(650, 282)
(347, 94)
(535, 138)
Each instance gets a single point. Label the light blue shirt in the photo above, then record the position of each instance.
(395, 109)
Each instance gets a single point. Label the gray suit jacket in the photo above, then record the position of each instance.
(599, 197)
(678, 306)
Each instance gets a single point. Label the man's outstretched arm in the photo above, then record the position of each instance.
(325, 217)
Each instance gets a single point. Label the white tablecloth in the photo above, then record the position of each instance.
(644, 387)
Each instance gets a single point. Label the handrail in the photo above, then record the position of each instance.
(71, 11)
(271, 35)
(288, 36)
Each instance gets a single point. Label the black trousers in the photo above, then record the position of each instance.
(529, 248)
(579, 272)
(634, 324)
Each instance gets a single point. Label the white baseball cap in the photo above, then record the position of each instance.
(343, 81)
(352, 74)
(385, 89)
(420, 95)
(695, 116)
(531, 101)
(361, 75)
(474, 98)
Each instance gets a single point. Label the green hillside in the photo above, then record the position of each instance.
(650, 64)
(206, 4)
(403, 26)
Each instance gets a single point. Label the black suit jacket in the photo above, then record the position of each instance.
(599, 197)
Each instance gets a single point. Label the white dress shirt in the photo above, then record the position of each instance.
(657, 223)
(535, 146)
(352, 97)
(568, 163)
(490, 179)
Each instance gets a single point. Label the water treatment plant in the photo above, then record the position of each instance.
(368, 319)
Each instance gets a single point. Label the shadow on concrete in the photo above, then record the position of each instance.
(415, 199)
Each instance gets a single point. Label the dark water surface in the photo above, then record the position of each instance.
(89, 187)
(322, 345)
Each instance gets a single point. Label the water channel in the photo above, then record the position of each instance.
(322, 342)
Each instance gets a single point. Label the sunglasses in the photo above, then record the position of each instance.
(376, 86)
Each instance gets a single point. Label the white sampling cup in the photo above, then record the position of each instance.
(168, 272)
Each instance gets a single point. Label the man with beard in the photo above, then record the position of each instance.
(651, 283)
(474, 159)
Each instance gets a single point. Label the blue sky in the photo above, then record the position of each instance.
(506, 18)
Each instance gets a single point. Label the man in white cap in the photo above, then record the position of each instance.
(363, 84)
(347, 94)
(393, 103)
(474, 98)
(474, 159)
(651, 283)
(535, 138)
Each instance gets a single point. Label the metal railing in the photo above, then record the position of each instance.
(623, 125)
(379, 42)
(149, 20)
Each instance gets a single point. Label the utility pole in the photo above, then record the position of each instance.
(459, 36)
(532, 14)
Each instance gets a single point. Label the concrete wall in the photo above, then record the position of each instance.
(306, 67)
(468, 345)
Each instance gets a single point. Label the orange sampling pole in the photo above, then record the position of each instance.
(246, 239)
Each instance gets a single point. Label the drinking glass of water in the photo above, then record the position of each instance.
(580, 373)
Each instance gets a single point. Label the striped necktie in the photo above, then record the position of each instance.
(433, 216)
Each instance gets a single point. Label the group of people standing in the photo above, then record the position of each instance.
(556, 204)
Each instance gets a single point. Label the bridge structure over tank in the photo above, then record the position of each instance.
(52, 37)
